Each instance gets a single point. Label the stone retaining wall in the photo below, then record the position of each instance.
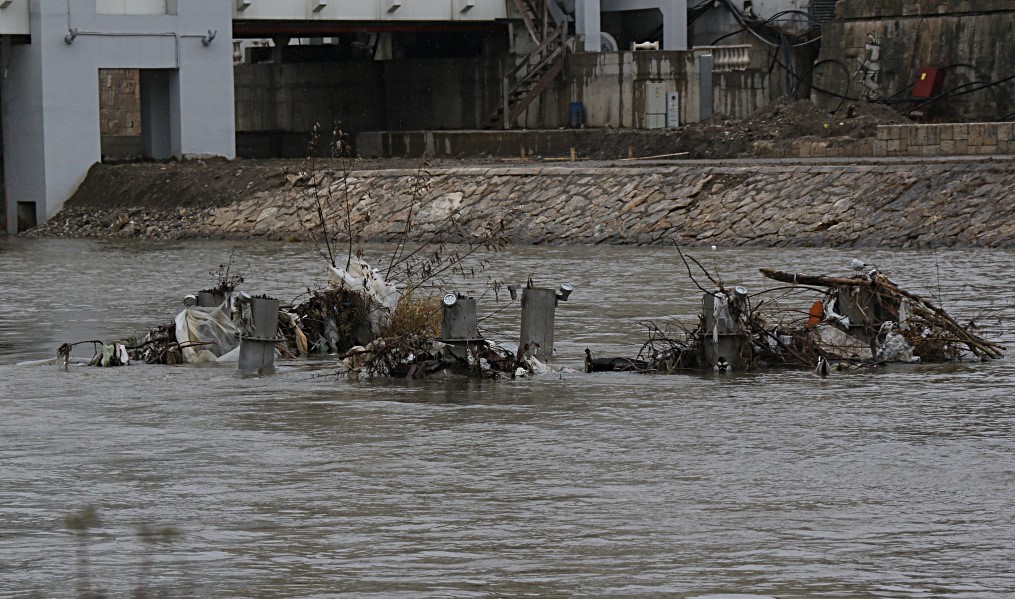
(896, 204)
(951, 139)
(911, 140)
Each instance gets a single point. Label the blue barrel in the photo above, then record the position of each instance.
(576, 115)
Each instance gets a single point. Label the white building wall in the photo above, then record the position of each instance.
(14, 18)
(51, 96)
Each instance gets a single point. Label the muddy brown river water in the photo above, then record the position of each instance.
(891, 483)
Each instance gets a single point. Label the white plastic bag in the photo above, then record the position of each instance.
(381, 296)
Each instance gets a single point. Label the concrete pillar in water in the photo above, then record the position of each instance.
(722, 337)
(258, 333)
(459, 325)
(210, 299)
(538, 310)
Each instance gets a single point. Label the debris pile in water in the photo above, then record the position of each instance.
(865, 319)
(159, 346)
(415, 357)
(884, 323)
(330, 321)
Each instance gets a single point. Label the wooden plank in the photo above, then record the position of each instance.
(540, 87)
(524, 12)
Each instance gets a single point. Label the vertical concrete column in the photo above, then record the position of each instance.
(538, 312)
(705, 62)
(674, 24)
(587, 24)
(156, 131)
(459, 325)
(203, 88)
(674, 13)
(3, 184)
(176, 116)
(258, 334)
(25, 177)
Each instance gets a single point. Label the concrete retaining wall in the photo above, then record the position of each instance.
(915, 140)
(366, 95)
(614, 88)
(275, 100)
(911, 140)
(874, 48)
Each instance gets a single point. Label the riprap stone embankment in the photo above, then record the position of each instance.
(874, 203)
(898, 205)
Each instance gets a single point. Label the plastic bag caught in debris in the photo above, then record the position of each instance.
(722, 317)
(205, 334)
(381, 296)
(893, 347)
(837, 344)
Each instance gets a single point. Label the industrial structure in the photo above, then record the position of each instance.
(52, 53)
(254, 77)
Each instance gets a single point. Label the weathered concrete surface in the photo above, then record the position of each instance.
(890, 203)
(873, 49)
(274, 101)
(875, 204)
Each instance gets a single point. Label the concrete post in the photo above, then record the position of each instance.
(210, 299)
(459, 325)
(726, 341)
(705, 63)
(258, 334)
(538, 308)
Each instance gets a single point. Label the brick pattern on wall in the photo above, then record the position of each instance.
(120, 102)
(951, 139)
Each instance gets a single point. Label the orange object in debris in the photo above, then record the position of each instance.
(817, 313)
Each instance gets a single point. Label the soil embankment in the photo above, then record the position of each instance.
(913, 203)
(772, 131)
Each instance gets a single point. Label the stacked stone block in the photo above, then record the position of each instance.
(949, 139)
(120, 102)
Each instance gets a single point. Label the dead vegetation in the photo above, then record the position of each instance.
(812, 321)
(381, 322)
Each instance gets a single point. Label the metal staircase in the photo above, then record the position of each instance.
(548, 26)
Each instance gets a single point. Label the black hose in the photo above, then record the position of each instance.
(845, 94)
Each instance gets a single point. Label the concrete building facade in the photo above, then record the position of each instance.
(50, 90)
